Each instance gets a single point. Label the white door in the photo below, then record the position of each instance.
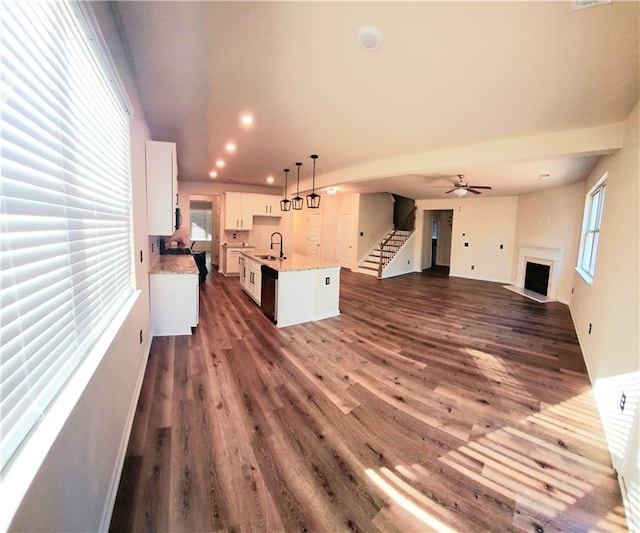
(313, 235)
(344, 240)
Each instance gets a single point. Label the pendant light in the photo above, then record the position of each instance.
(285, 205)
(313, 199)
(298, 201)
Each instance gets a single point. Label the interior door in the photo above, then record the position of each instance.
(344, 240)
(313, 235)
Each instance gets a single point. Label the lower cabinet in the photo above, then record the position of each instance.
(175, 303)
(231, 263)
(251, 277)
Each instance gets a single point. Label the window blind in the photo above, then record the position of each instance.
(65, 189)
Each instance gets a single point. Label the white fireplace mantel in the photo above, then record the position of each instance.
(543, 256)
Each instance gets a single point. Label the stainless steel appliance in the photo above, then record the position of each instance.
(269, 295)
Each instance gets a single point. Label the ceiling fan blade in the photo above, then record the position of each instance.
(480, 187)
(450, 190)
(474, 192)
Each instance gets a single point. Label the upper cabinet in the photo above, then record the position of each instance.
(238, 212)
(162, 187)
(266, 205)
(240, 208)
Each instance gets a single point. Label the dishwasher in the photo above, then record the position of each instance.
(269, 295)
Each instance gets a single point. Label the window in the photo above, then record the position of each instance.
(65, 191)
(201, 221)
(591, 230)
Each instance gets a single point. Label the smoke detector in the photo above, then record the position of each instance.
(369, 38)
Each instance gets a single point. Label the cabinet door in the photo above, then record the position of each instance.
(266, 205)
(233, 265)
(162, 187)
(238, 211)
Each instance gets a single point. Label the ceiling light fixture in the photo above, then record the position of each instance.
(285, 205)
(460, 192)
(313, 199)
(220, 163)
(230, 147)
(298, 201)
(269, 179)
(213, 174)
(331, 191)
(246, 119)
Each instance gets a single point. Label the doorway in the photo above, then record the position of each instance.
(437, 234)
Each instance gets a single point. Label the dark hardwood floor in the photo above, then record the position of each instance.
(430, 404)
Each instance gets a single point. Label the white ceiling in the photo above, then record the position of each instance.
(500, 92)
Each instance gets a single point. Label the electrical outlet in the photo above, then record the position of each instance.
(141, 256)
(589, 328)
(502, 246)
(327, 281)
(466, 245)
(623, 400)
(473, 267)
(140, 336)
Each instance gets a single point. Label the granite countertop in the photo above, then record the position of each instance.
(292, 262)
(175, 264)
(237, 245)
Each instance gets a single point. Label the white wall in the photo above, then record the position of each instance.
(485, 224)
(610, 305)
(375, 219)
(75, 486)
(552, 218)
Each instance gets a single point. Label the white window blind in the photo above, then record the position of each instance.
(201, 221)
(65, 187)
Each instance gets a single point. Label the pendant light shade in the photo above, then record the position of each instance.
(285, 205)
(298, 201)
(313, 199)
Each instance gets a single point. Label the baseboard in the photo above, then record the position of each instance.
(124, 443)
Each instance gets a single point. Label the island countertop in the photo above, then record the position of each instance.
(293, 262)
(175, 264)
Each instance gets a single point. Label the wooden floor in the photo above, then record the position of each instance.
(430, 404)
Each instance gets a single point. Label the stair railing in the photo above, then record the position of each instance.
(387, 251)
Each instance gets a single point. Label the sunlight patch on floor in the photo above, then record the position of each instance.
(406, 499)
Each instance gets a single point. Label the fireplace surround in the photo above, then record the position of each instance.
(551, 257)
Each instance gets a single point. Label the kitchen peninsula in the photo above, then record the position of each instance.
(292, 290)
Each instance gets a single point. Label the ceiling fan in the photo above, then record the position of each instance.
(461, 188)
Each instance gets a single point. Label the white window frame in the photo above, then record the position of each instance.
(54, 408)
(591, 226)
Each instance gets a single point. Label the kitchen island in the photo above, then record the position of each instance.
(294, 290)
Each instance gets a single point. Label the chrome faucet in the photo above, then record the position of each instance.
(272, 243)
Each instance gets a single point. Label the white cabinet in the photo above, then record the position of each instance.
(238, 211)
(251, 277)
(231, 262)
(266, 205)
(174, 303)
(162, 187)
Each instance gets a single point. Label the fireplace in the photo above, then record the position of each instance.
(542, 266)
(536, 277)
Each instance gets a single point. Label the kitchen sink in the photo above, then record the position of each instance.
(267, 257)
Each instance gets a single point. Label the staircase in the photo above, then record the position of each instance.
(393, 241)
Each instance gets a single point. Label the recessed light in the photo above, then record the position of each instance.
(331, 191)
(246, 119)
(269, 179)
(230, 147)
(213, 174)
(220, 163)
(369, 37)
